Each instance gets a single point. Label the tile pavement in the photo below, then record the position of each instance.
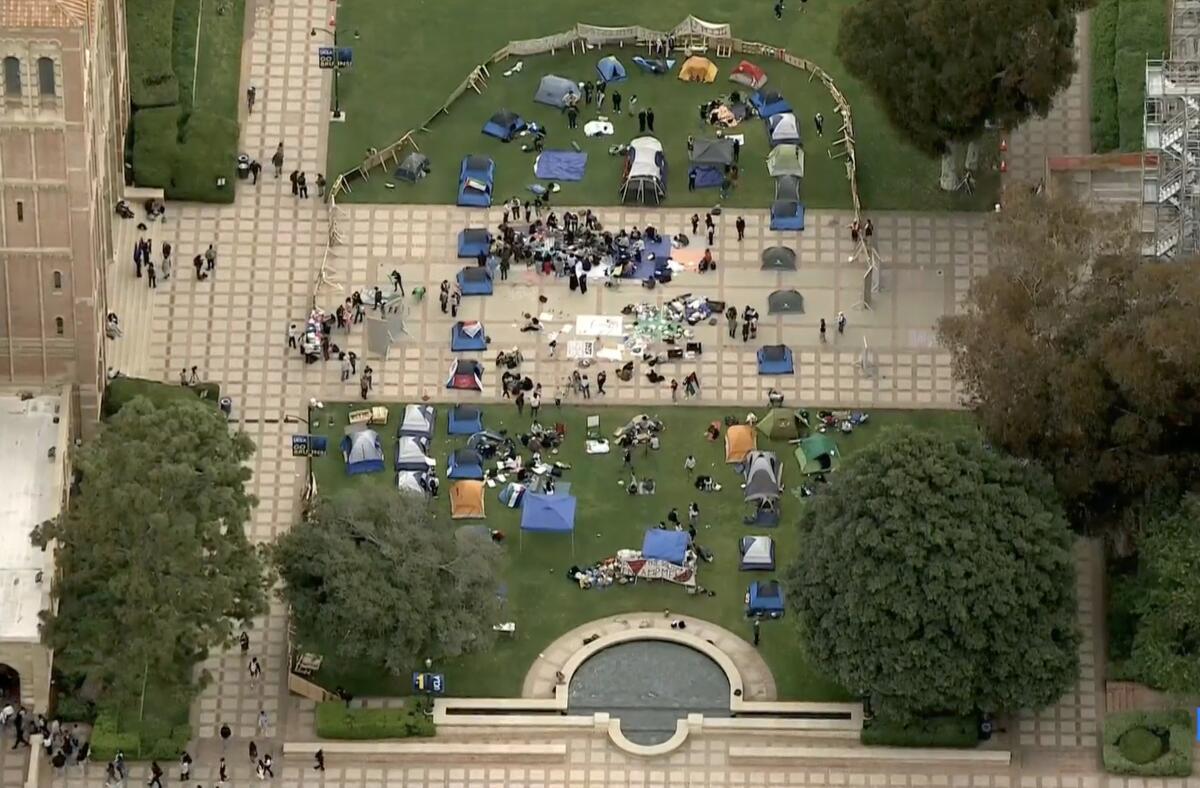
(270, 248)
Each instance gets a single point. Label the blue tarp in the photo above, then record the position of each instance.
(554, 513)
(665, 545)
(560, 165)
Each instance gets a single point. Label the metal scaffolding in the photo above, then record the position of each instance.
(1171, 163)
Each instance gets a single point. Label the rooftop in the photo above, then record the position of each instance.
(31, 491)
(43, 13)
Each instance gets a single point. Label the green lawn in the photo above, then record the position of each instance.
(540, 599)
(393, 86)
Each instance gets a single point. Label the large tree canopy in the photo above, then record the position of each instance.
(1076, 352)
(943, 68)
(1165, 599)
(372, 576)
(937, 577)
(155, 564)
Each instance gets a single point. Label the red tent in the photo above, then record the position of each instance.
(749, 75)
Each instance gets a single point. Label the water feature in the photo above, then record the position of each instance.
(649, 685)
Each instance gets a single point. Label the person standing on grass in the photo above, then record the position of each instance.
(277, 160)
(642, 121)
(778, 15)
(535, 402)
(650, 119)
(757, 636)
(616, 100)
(520, 403)
(572, 117)
(819, 122)
(689, 466)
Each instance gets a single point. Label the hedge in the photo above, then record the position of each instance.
(149, 27)
(1106, 133)
(1175, 762)
(336, 721)
(122, 390)
(207, 151)
(155, 141)
(957, 732)
(152, 743)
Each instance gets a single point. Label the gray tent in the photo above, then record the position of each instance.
(758, 553)
(414, 167)
(787, 187)
(785, 302)
(763, 474)
(778, 258)
(786, 159)
(784, 128)
(554, 90)
(711, 153)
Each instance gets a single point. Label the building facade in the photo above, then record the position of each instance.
(63, 112)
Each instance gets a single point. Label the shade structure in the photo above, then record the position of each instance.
(412, 453)
(764, 599)
(818, 454)
(548, 514)
(748, 74)
(610, 69)
(466, 500)
(663, 545)
(464, 464)
(698, 69)
(556, 91)
(468, 336)
(785, 302)
(362, 452)
(779, 424)
(763, 475)
(465, 375)
(413, 168)
(739, 441)
(778, 258)
(417, 421)
(775, 360)
(464, 420)
(786, 159)
(758, 553)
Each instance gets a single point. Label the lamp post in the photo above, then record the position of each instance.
(337, 67)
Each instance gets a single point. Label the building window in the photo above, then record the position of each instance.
(60, 326)
(46, 77)
(56, 279)
(12, 77)
(20, 211)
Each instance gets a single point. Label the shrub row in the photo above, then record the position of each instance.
(1106, 134)
(1176, 761)
(207, 151)
(155, 140)
(336, 721)
(957, 732)
(1124, 34)
(152, 81)
(150, 743)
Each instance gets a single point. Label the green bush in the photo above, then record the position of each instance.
(155, 142)
(150, 740)
(335, 721)
(107, 739)
(148, 26)
(71, 708)
(1175, 726)
(957, 732)
(1105, 131)
(207, 151)
(1131, 98)
(122, 390)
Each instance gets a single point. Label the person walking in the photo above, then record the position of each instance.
(151, 277)
(689, 466)
(294, 177)
(601, 379)
(138, 250)
(674, 390)
(691, 180)
(712, 233)
(352, 357)
(225, 732)
(757, 635)
(319, 758)
(520, 403)
(252, 751)
(166, 256)
(251, 94)
(819, 122)
(320, 186)
(535, 403)
(222, 772)
(572, 117)
(268, 766)
(397, 282)
(746, 330)
(822, 330)
(841, 322)
(731, 315)
(616, 100)
(255, 171)
(585, 386)
(650, 119)
(264, 722)
(254, 668)
(363, 387)
(185, 767)
(740, 226)
(455, 300)
(277, 160)
(156, 774)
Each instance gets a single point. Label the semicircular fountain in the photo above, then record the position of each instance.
(649, 685)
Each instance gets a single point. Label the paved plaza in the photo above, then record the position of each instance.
(270, 249)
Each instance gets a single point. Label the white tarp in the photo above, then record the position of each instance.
(600, 326)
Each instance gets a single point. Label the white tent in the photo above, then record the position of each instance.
(362, 452)
(411, 483)
(418, 421)
(758, 553)
(645, 170)
(784, 128)
(411, 454)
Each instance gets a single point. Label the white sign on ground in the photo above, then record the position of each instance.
(600, 326)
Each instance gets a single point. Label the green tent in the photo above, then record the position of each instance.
(780, 424)
(818, 454)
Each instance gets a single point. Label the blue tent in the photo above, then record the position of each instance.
(548, 513)
(464, 420)
(473, 241)
(464, 464)
(765, 598)
(611, 70)
(664, 545)
(475, 281)
(775, 360)
(504, 125)
(768, 103)
(787, 215)
(363, 452)
(468, 337)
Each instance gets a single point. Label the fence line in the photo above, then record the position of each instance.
(697, 34)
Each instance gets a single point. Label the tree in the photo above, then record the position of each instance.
(944, 68)
(936, 576)
(1166, 600)
(1074, 351)
(155, 567)
(371, 574)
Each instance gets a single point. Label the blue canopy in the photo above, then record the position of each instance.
(665, 545)
(554, 513)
